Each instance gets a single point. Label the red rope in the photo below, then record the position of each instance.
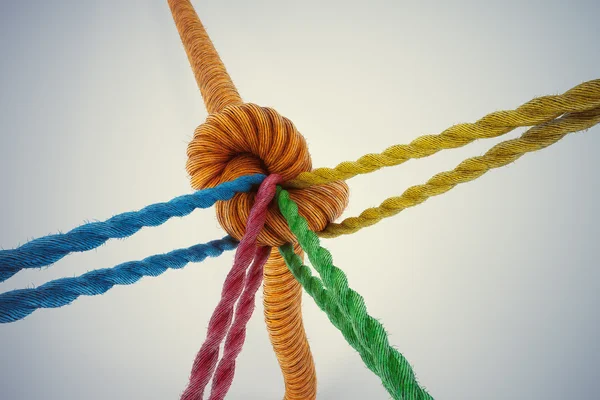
(238, 286)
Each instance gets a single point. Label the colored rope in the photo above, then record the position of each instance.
(322, 297)
(234, 342)
(18, 304)
(536, 138)
(212, 78)
(393, 369)
(49, 249)
(218, 327)
(239, 139)
(583, 97)
(283, 317)
(247, 139)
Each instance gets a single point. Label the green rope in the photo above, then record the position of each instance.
(314, 287)
(346, 309)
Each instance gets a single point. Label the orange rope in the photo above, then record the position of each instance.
(215, 85)
(247, 139)
(243, 138)
(283, 315)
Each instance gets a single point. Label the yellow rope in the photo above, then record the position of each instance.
(585, 96)
(536, 138)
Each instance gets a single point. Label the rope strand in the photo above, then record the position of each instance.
(50, 249)
(583, 97)
(219, 92)
(18, 304)
(536, 138)
(236, 281)
(215, 84)
(391, 366)
(283, 316)
(314, 287)
(237, 333)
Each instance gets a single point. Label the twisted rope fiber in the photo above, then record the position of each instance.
(206, 359)
(243, 139)
(240, 138)
(234, 342)
(536, 138)
(393, 369)
(18, 304)
(283, 317)
(583, 97)
(49, 249)
(219, 92)
(314, 287)
(215, 84)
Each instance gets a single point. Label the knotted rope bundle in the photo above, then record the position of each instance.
(239, 139)
(242, 145)
(247, 139)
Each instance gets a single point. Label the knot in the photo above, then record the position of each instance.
(248, 139)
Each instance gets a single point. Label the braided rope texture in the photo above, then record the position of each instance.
(215, 84)
(393, 369)
(324, 300)
(583, 97)
(322, 297)
(236, 336)
(221, 320)
(225, 371)
(283, 315)
(18, 304)
(536, 138)
(240, 139)
(50, 249)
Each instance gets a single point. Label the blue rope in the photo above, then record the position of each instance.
(18, 304)
(49, 249)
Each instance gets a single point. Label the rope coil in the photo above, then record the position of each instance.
(248, 139)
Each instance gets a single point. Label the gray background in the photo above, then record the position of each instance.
(490, 290)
